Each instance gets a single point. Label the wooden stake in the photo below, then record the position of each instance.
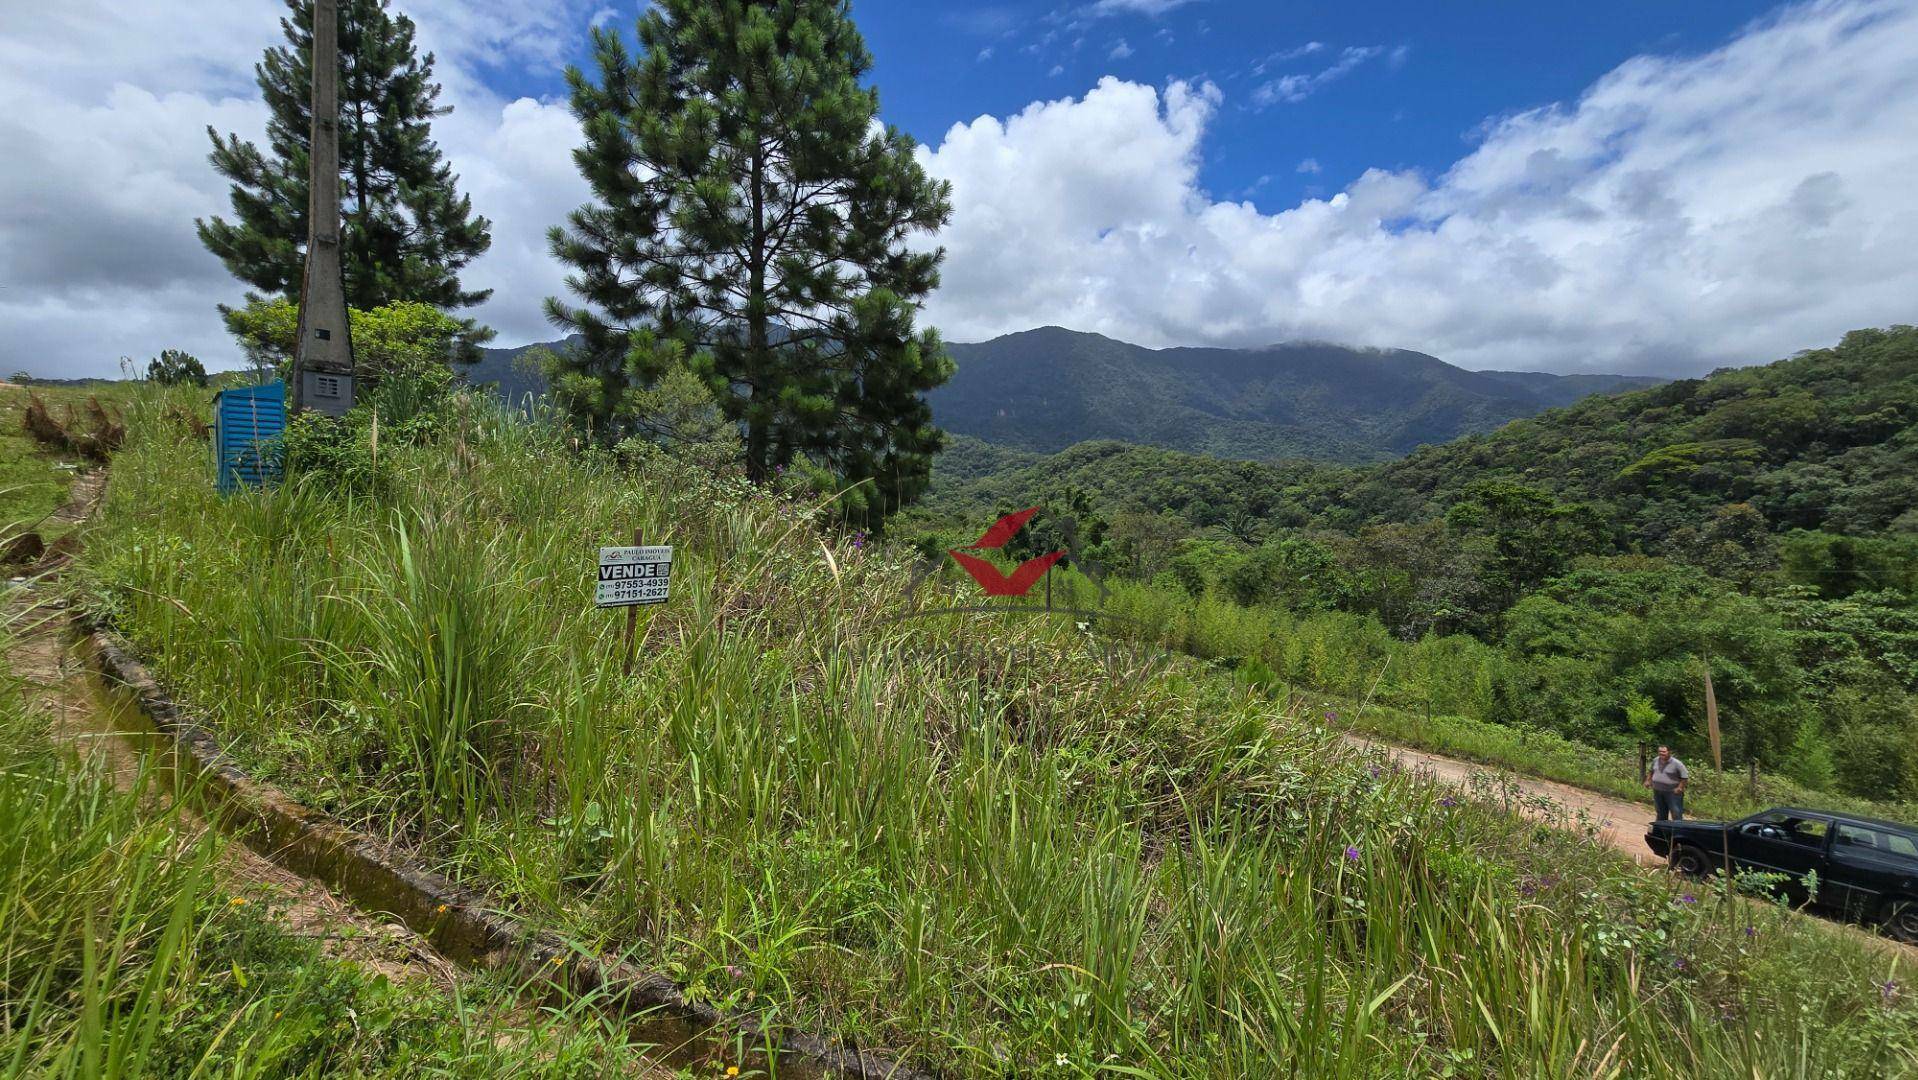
(632, 622)
(1711, 719)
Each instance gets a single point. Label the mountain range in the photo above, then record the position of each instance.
(1046, 389)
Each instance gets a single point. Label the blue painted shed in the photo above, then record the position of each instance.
(247, 424)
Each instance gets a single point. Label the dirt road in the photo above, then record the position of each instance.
(1618, 824)
(1613, 822)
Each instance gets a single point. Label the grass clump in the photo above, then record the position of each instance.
(996, 843)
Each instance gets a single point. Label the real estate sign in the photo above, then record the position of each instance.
(630, 576)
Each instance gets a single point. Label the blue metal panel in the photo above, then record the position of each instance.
(247, 424)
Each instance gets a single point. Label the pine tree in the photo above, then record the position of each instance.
(749, 223)
(407, 231)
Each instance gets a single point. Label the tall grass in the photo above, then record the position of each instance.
(1432, 694)
(995, 842)
(128, 948)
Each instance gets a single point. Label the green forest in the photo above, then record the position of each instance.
(1579, 571)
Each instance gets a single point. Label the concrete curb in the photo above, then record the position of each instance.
(464, 925)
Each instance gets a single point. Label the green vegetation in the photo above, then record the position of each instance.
(996, 843)
(749, 228)
(1048, 389)
(1574, 574)
(406, 232)
(129, 949)
(35, 478)
(405, 338)
(176, 366)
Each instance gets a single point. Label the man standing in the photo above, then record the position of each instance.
(1667, 780)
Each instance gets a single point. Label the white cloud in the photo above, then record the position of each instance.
(1296, 88)
(1685, 212)
(1149, 8)
(1057, 70)
(984, 54)
(1120, 50)
(1285, 55)
(1309, 165)
(105, 167)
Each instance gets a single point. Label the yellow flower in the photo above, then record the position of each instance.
(237, 901)
(732, 1070)
(441, 909)
(558, 960)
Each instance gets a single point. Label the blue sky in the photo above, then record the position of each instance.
(1439, 72)
(1627, 186)
(1430, 77)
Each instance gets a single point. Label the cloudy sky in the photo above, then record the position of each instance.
(1624, 186)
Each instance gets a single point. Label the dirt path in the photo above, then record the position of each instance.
(1614, 822)
(60, 686)
(88, 718)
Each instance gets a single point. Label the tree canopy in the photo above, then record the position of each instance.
(750, 224)
(406, 230)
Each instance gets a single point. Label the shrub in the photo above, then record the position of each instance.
(174, 367)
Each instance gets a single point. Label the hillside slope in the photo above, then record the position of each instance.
(1827, 439)
(992, 844)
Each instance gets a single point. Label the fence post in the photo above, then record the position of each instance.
(1752, 785)
(1641, 764)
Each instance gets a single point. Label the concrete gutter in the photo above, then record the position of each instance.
(466, 926)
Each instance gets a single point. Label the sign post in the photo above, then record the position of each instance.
(632, 577)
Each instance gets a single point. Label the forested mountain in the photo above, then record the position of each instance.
(1043, 390)
(1046, 389)
(1586, 565)
(1824, 440)
(509, 372)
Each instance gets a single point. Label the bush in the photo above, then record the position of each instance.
(174, 367)
(336, 451)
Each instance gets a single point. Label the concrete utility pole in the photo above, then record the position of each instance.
(323, 359)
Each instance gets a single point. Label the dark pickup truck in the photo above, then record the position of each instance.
(1865, 868)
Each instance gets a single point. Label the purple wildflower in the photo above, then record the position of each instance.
(1448, 802)
(1374, 770)
(1751, 931)
(1688, 898)
(1331, 714)
(859, 540)
(1889, 990)
(1351, 853)
(1678, 962)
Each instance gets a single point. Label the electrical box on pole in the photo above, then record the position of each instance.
(323, 358)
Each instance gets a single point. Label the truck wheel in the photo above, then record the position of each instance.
(1690, 861)
(1901, 920)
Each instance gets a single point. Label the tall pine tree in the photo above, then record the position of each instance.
(406, 231)
(749, 222)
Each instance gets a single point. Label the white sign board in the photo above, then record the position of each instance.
(633, 575)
